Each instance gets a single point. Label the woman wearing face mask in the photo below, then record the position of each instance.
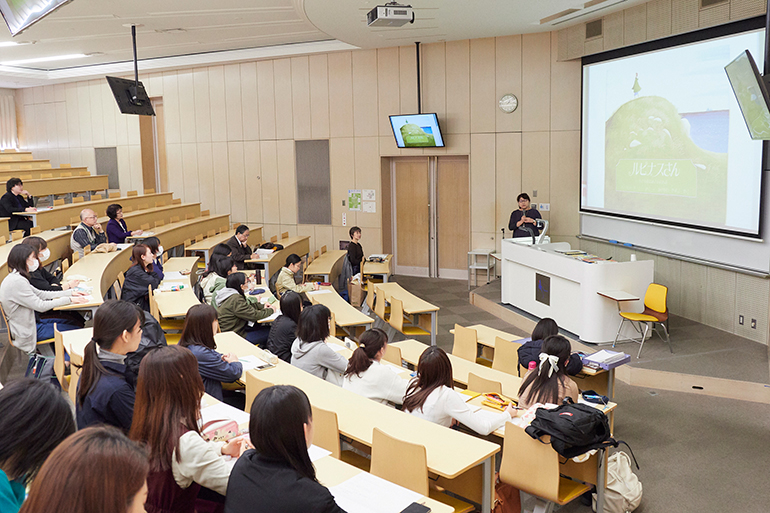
(21, 300)
(139, 277)
(157, 251)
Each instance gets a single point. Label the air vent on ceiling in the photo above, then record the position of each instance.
(593, 29)
(711, 3)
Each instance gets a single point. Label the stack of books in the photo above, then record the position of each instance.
(605, 359)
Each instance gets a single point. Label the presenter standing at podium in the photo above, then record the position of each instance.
(523, 218)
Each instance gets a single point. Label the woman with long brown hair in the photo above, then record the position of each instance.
(431, 396)
(168, 404)
(96, 470)
(104, 396)
(365, 374)
(139, 277)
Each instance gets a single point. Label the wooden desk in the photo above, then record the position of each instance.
(102, 269)
(328, 265)
(299, 245)
(67, 185)
(151, 215)
(345, 315)
(176, 264)
(62, 215)
(450, 453)
(412, 349)
(175, 303)
(381, 269)
(413, 306)
(174, 234)
(206, 245)
(5, 233)
(8, 173)
(6, 155)
(24, 163)
(58, 243)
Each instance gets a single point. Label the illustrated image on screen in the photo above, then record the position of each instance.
(664, 139)
(751, 93)
(20, 14)
(417, 131)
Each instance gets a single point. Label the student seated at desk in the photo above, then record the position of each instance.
(531, 349)
(277, 475)
(35, 419)
(215, 278)
(21, 300)
(368, 377)
(200, 326)
(139, 277)
(88, 233)
(284, 328)
(157, 252)
(431, 396)
(117, 230)
(548, 382)
(104, 396)
(16, 199)
(286, 281)
(355, 250)
(96, 469)
(240, 249)
(168, 406)
(310, 352)
(219, 251)
(238, 314)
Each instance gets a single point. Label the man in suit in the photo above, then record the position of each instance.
(241, 250)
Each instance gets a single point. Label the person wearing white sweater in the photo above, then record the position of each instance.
(166, 413)
(368, 377)
(21, 300)
(431, 396)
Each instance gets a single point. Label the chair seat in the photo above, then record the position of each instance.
(172, 339)
(484, 362)
(639, 317)
(569, 490)
(355, 459)
(458, 505)
(414, 330)
(172, 324)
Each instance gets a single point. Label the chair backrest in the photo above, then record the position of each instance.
(34, 230)
(370, 297)
(159, 204)
(132, 193)
(211, 233)
(65, 165)
(187, 242)
(465, 343)
(153, 305)
(396, 318)
(655, 298)
(65, 174)
(483, 385)
(199, 237)
(285, 235)
(145, 226)
(58, 361)
(115, 195)
(323, 249)
(84, 173)
(379, 303)
(326, 432)
(7, 326)
(78, 199)
(95, 197)
(529, 465)
(236, 225)
(58, 202)
(176, 201)
(174, 219)
(160, 222)
(254, 386)
(144, 206)
(189, 215)
(87, 250)
(149, 191)
(393, 355)
(46, 175)
(402, 463)
(316, 254)
(506, 357)
(205, 213)
(274, 238)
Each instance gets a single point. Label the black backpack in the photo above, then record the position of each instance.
(574, 429)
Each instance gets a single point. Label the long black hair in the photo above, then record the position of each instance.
(434, 370)
(314, 323)
(291, 305)
(236, 281)
(17, 258)
(370, 343)
(545, 328)
(545, 389)
(276, 424)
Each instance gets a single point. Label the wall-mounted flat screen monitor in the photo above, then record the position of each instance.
(751, 93)
(417, 131)
(20, 14)
(131, 96)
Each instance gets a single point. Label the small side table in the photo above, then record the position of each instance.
(474, 264)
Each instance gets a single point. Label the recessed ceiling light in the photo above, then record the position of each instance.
(44, 59)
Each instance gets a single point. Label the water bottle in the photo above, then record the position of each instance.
(532, 365)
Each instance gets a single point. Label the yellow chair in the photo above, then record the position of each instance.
(396, 320)
(655, 312)
(406, 464)
(506, 357)
(533, 467)
(483, 385)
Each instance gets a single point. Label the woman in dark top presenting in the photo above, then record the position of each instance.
(355, 250)
(524, 217)
(16, 199)
(277, 475)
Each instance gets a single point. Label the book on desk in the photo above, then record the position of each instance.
(605, 359)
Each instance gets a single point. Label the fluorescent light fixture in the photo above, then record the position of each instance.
(8, 43)
(44, 59)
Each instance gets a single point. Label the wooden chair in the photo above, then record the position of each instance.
(236, 225)
(655, 313)
(506, 357)
(175, 219)
(285, 235)
(326, 434)
(211, 233)
(145, 226)
(393, 355)
(46, 175)
(533, 467)
(149, 191)
(159, 204)
(65, 174)
(177, 201)
(17, 234)
(115, 195)
(143, 206)
(58, 202)
(78, 199)
(199, 237)
(406, 464)
(254, 386)
(274, 238)
(160, 222)
(165, 324)
(379, 306)
(75, 257)
(58, 362)
(323, 249)
(96, 197)
(34, 230)
(465, 343)
(396, 320)
(121, 279)
(335, 330)
(65, 165)
(86, 250)
(132, 193)
(483, 385)
(368, 306)
(205, 213)
(75, 220)
(189, 216)
(84, 173)
(187, 243)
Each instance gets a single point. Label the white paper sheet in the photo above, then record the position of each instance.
(252, 362)
(395, 370)
(273, 317)
(223, 411)
(316, 453)
(338, 348)
(365, 493)
(317, 292)
(174, 275)
(78, 277)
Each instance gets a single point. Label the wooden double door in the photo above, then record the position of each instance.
(431, 216)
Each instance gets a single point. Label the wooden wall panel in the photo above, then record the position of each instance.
(341, 162)
(565, 91)
(187, 121)
(252, 172)
(364, 65)
(170, 109)
(482, 93)
(535, 84)
(124, 168)
(658, 19)
(97, 118)
(635, 25)
(284, 118)
(269, 170)
(507, 177)
(135, 161)
(109, 113)
(507, 80)
(233, 109)
(266, 97)
(287, 182)
(458, 115)
(202, 105)
(388, 97)
(407, 75)
(714, 16)
(236, 167)
(73, 129)
(564, 186)
(221, 177)
(613, 30)
(684, 15)
(190, 181)
(174, 169)
(84, 112)
(206, 176)
(218, 103)
(249, 101)
(433, 80)
(367, 176)
(535, 165)
(482, 168)
(319, 96)
(300, 94)
(340, 95)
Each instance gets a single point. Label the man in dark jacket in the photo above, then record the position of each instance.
(240, 249)
(16, 199)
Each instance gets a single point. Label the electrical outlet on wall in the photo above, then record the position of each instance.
(753, 324)
(740, 320)
(544, 207)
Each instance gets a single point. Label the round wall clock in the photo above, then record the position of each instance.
(508, 103)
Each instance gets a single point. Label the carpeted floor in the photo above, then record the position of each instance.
(696, 454)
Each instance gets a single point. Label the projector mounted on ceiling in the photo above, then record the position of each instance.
(391, 14)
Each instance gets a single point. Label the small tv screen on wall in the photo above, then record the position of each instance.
(417, 131)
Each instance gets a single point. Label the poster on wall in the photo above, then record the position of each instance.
(354, 199)
(370, 207)
(369, 195)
